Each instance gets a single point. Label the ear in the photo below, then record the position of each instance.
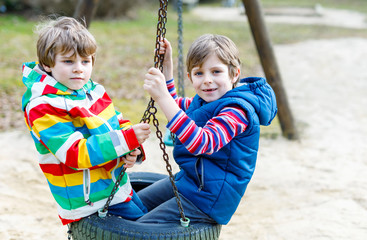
(47, 68)
(188, 76)
(237, 75)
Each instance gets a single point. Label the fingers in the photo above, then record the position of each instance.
(164, 46)
(130, 159)
(142, 131)
(150, 75)
(142, 126)
(154, 83)
(154, 76)
(154, 71)
(135, 152)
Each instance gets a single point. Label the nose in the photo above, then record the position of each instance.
(207, 79)
(78, 67)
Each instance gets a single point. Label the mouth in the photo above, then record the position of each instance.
(209, 90)
(77, 78)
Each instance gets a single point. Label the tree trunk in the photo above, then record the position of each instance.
(86, 10)
(265, 50)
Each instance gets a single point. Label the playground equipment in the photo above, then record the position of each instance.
(112, 227)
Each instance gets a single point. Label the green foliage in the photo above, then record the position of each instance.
(106, 8)
(12, 5)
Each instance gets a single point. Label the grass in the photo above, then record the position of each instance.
(126, 51)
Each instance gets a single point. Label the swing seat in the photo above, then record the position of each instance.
(168, 140)
(114, 227)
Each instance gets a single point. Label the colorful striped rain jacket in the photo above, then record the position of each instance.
(80, 138)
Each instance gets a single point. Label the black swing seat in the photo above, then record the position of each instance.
(117, 228)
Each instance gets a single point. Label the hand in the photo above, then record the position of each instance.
(130, 158)
(155, 84)
(165, 48)
(142, 131)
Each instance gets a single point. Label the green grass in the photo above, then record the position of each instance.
(16, 44)
(126, 49)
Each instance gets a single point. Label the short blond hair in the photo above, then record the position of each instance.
(222, 46)
(63, 35)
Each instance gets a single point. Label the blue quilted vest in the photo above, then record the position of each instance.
(216, 183)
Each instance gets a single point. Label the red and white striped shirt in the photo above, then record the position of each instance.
(217, 132)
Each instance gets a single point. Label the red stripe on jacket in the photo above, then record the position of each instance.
(43, 109)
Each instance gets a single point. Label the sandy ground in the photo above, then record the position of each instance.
(314, 188)
(315, 16)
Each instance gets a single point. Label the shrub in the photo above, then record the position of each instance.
(106, 8)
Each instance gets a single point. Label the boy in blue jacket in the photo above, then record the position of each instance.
(217, 132)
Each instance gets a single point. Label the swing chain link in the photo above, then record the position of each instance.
(180, 67)
(152, 110)
(114, 190)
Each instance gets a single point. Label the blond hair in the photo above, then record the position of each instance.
(222, 46)
(63, 35)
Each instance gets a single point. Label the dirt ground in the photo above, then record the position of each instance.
(313, 188)
(291, 15)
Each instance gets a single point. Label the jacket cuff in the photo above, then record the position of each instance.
(124, 124)
(130, 138)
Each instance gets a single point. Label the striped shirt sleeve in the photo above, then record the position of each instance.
(183, 103)
(217, 132)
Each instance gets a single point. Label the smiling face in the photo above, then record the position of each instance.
(71, 70)
(212, 80)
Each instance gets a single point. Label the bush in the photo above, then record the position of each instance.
(106, 8)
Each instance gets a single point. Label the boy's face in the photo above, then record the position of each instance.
(72, 71)
(211, 81)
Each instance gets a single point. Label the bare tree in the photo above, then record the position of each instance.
(86, 10)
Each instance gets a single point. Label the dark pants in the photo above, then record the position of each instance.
(162, 205)
(131, 210)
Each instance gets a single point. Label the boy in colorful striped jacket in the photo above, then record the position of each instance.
(82, 141)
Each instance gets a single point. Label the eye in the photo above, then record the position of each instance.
(198, 73)
(68, 61)
(86, 61)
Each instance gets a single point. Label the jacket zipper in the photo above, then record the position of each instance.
(86, 180)
(200, 177)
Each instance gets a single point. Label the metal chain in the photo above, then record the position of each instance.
(69, 232)
(152, 110)
(180, 67)
(158, 61)
(114, 190)
(150, 113)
